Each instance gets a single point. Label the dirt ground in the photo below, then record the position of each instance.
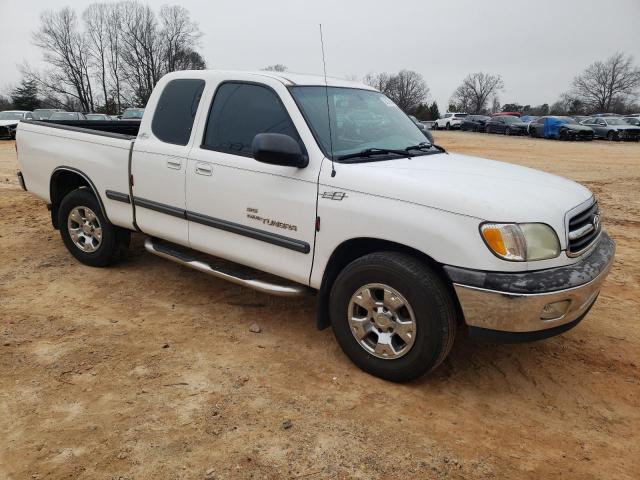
(149, 370)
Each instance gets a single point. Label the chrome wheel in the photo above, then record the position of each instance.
(382, 321)
(84, 229)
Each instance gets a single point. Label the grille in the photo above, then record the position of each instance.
(584, 228)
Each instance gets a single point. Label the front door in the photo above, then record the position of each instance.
(252, 213)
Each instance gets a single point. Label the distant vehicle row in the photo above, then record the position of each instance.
(604, 126)
(9, 119)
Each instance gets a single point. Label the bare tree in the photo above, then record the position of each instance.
(65, 49)
(406, 88)
(603, 83)
(379, 81)
(473, 94)
(278, 67)
(179, 34)
(114, 37)
(123, 50)
(96, 19)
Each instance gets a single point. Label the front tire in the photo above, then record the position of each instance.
(85, 231)
(393, 316)
(448, 126)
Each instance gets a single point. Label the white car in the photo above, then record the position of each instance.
(9, 120)
(450, 121)
(403, 243)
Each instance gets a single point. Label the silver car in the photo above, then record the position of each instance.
(612, 128)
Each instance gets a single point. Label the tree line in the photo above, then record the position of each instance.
(112, 55)
(610, 85)
(107, 58)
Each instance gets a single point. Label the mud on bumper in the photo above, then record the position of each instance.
(517, 307)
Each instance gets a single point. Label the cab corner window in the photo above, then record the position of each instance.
(239, 112)
(176, 110)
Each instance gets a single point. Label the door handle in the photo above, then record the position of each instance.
(204, 169)
(175, 164)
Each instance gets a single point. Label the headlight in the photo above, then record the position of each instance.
(521, 242)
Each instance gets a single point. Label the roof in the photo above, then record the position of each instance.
(287, 78)
(15, 111)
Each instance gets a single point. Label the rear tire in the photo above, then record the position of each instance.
(406, 323)
(85, 231)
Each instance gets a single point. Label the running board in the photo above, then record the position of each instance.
(238, 274)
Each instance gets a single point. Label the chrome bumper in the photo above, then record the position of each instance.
(529, 302)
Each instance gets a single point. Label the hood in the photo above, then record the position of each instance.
(518, 124)
(625, 127)
(485, 189)
(5, 123)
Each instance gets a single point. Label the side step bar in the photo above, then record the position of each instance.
(237, 274)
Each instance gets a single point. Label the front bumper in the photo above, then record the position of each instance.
(511, 306)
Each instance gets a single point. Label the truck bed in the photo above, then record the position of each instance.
(128, 128)
(98, 151)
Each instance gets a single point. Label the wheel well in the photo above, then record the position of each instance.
(353, 249)
(63, 182)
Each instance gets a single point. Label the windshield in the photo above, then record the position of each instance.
(510, 119)
(64, 116)
(11, 115)
(360, 119)
(133, 113)
(615, 121)
(42, 114)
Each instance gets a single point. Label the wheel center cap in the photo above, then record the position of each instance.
(382, 319)
(86, 228)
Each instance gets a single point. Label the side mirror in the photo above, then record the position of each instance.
(278, 149)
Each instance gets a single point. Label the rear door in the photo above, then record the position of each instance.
(160, 159)
(252, 213)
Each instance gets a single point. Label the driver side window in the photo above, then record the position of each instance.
(239, 112)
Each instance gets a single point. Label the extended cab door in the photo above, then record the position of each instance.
(159, 160)
(252, 213)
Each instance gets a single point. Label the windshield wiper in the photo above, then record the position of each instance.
(426, 146)
(368, 152)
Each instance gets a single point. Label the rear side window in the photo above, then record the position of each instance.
(239, 112)
(176, 110)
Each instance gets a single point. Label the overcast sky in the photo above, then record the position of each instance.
(537, 46)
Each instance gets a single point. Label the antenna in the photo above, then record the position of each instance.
(326, 91)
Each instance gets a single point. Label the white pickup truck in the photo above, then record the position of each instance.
(291, 186)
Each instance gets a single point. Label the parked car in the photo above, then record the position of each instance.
(97, 117)
(67, 116)
(506, 124)
(399, 251)
(612, 128)
(132, 114)
(510, 114)
(579, 118)
(635, 121)
(449, 121)
(559, 128)
(9, 120)
(474, 123)
(422, 128)
(528, 119)
(45, 113)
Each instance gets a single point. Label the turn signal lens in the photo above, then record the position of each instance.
(505, 240)
(519, 242)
